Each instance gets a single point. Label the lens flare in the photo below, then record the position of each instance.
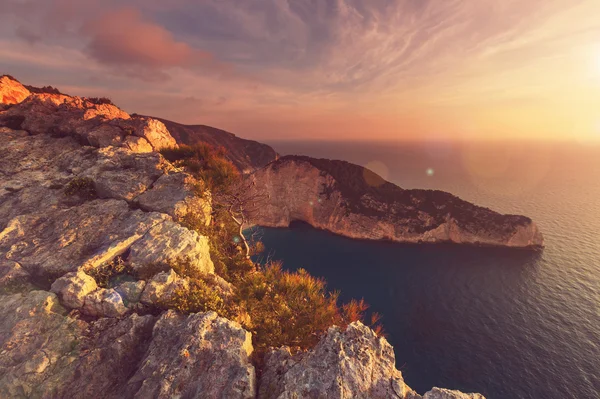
(430, 172)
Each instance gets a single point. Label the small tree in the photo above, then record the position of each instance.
(242, 202)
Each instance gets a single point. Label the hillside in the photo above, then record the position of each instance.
(246, 155)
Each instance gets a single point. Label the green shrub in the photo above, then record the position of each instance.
(81, 186)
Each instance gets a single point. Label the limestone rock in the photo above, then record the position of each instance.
(11, 91)
(350, 200)
(72, 288)
(438, 393)
(108, 355)
(120, 173)
(86, 235)
(354, 363)
(37, 343)
(197, 356)
(104, 303)
(155, 132)
(138, 144)
(175, 193)
(167, 242)
(160, 289)
(131, 291)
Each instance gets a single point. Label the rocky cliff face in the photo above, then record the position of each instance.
(350, 200)
(82, 187)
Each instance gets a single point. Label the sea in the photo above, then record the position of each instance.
(509, 324)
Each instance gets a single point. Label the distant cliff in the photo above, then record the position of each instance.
(246, 155)
(350, 200)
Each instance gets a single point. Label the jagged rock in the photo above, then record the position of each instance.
(160, 289)
(72, 288)
(351, 363)
(86, 235)
(122, 174)
(11, 91)
(155, 132)
(438, 393)
(12, 275)
(99, 125)
(46, 354)
(37, 344)
(167, 242)
(350, 200)
(197, 356)
(108, 355)
(138, 144)
(176, 194)
(131, 291)
(104, 303)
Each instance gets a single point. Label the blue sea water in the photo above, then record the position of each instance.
(509, 324)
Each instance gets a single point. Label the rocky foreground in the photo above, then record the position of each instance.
(352, 201)
(82, 186)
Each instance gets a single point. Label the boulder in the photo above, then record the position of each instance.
(86, 235)
(167, 242)
(104, 303)
(38, 344)
(72, 288)
(350, 363)
(160, 289)
(197, 356)
(131, 291)
(120, 173)
(176, 193)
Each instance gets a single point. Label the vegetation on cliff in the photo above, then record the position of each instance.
(279, 307)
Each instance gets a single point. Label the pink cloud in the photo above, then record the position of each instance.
(123, 37)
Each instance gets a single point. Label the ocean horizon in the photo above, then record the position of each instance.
(506, 323)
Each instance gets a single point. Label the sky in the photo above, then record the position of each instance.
(324, 69)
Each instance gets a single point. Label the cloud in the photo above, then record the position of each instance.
(123, 37)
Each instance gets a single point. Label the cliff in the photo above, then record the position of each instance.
(92, 228)
(350, 200)
(246, 155)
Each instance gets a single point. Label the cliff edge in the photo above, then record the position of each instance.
(355, 202)
(91, 232)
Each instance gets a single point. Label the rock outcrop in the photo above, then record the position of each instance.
(11, 91)
(350, 200)
(48, 354)
(87, 207)
(354, 363)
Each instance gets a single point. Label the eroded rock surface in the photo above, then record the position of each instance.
(354, 363)
(199, 356)
(11, 91)
(352, 201)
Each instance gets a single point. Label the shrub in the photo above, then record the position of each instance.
(205, 162)
(81, 186)
(45, 89)
(199, 297)
(106, 272)
(100, 100)
(291, 308)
